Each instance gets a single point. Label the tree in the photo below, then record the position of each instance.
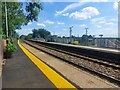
(33, 10)
(35, 33)
(29, 36)
(15, 17)
(41, 33)
(19, 14)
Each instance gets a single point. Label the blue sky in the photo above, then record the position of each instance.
(57, 17)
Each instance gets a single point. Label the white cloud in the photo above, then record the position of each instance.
(66, 14)
(98, 26)
(86, 13)
(52, 22)
(41, 24)
(49, 22)
(95, 0)
(51, 1)
(100, 20)
(110, 23)
(83, 26)
(115, 5)
(29, 23)
(104, 21)
(75, 5)
(60, 23)
(107, 32)
(24, 31)
(105, 24)
(115, 20)
(71, 6)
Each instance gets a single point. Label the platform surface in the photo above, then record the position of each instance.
(20, 72)
(76, 75)
(23, 72)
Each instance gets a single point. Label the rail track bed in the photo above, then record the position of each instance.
(104, 69)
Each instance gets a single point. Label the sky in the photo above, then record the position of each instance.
(99, 17)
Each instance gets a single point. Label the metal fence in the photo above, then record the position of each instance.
(108, 43)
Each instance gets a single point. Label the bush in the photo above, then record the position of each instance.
(2, 36)
(10, 48)
(75, 43)
(12, 40)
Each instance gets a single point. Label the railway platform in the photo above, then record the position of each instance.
(32, 68)
(24, 70)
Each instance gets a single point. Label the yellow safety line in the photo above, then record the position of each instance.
(54, 77)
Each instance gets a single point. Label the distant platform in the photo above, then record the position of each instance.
(85, 47)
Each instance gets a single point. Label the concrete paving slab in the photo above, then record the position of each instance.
(20, 72)
(79, 77)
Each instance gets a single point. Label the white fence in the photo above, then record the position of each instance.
(107, 43)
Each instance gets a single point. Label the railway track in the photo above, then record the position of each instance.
(107, 70)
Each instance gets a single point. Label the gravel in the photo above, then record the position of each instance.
(108, 71)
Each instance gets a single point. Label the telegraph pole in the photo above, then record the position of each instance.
(6, 20)
(86, 41)
(86, 30)
(70, 33)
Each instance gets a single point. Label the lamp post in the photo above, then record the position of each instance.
(6, 20)
(100, 35)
